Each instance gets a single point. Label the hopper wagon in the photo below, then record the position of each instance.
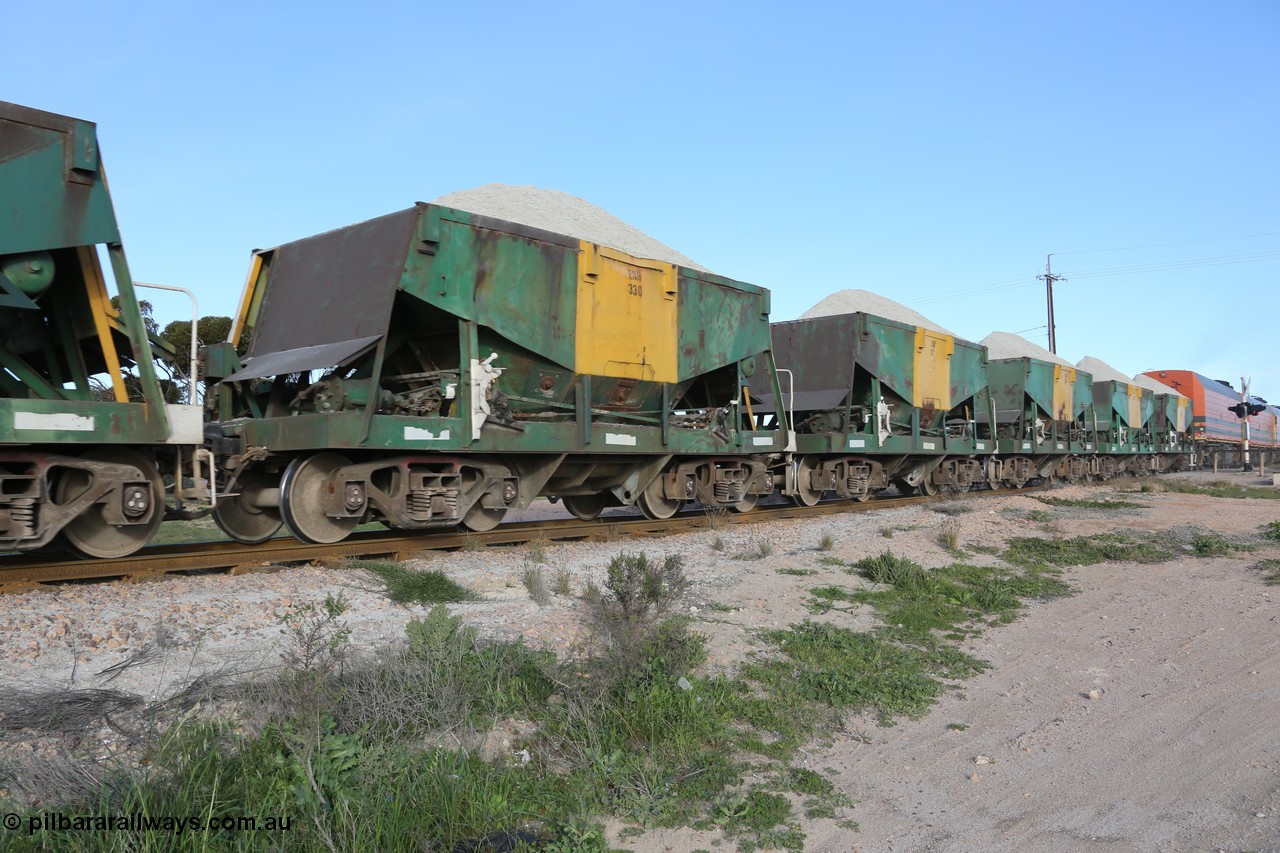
(1042, 420)
(434, 367)
(874, 401)
(85, 428)
(1120, 415)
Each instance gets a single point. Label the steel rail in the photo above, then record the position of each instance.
(19, 572)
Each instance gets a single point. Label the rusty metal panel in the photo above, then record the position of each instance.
(721, 321)
(40, 150)
(517, 280)
(334, 287)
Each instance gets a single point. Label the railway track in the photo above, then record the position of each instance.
(20, 572)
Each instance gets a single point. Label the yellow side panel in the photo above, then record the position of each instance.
(1135, 406)
(250, 300)
(1064, 383)
(933, 369)
(626, 316)
(100, 308)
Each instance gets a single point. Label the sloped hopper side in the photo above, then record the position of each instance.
(329, 297)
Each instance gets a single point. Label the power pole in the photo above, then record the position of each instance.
(1244, 422)
(1049, 278)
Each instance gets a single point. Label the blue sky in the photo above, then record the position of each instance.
(932, 152)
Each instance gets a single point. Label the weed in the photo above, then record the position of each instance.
(639, 585)
(563, 584)
(1083, 551)
(1271, 530)
(405, 586)
(887, 568)
(828, 542)
(1084, 503)
(1038, 515)
(758, 549)
(719, 544)
(799, 573)
(976, 548)
(886, 532)
(318, 637)
(949, 536)
(717, 517)
(1270, 571)
(958, 727)
(1221, 489)
(1211, 545)
(536, 550)
(471, 542)
(535, 582)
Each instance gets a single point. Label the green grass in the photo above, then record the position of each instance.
(1214, 545)
(1270, 571)
(1084, 503)
(406, 586)
(362, 752)
(1039, 515)
(1271, 530)
(1221, 489)
(1083, 551)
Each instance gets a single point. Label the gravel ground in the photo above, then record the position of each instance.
(1179, 748)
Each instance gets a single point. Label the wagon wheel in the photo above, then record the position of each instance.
(302, 490)
(655, 505)
(585, 507)
(927, 487)
(806, 494)
(481, 519)
(863, 497)
(746, 504)
(240, 517)
(90, 533)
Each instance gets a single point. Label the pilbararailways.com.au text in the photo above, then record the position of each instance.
(139, 822)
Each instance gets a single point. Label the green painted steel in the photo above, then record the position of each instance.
(854, 382)
(416, 322)
(1022, 391)
(56, 210)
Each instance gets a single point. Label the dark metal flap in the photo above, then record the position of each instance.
(803, 401)
(303, 358)
(334, 287)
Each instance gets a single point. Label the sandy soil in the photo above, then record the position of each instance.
(1178, 748)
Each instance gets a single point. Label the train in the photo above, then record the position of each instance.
(439, 368)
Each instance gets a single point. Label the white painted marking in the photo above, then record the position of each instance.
(981, 445)
(619, 438)
(762, 440)
(1088, 447)
(929, 445)
(186, 424)
(416, 434)
(857, 442)
(58, 421)
(1026, 445)
(1060, 447)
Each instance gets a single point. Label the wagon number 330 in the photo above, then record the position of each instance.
(633, 286)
